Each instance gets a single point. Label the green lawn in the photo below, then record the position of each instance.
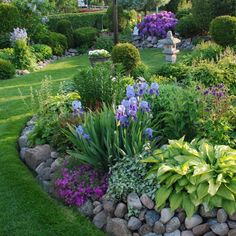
(25, 209)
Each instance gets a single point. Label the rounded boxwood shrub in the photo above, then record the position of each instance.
(223, 30)
(7, 54)
(85, 36)
(7, 70)
(126, 54)
(65, 27)
(57, 41)
(10, 18)
(104, 42)
(187, 27)
(41, 52)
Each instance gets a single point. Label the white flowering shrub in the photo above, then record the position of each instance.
(99, 53)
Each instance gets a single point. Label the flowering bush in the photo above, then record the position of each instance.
(76, 186)
(18, 34)
(157, 24)
(99, 53)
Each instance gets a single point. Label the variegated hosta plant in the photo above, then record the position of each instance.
(191, 174)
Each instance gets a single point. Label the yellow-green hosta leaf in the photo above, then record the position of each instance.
(171, 180)
(207, 151)
(150, 160)
(162, 195)
(225, 193)
(191, 188)
(202, 190)
(184, 158)
(163, 169)
(213, 187)
(232, 186)
(175, 200)
(216, 201)
(188, 206)
(201, 169)
(164, 177)
(183, 181)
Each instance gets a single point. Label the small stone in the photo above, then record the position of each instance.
(147, 201)
(152, 217)
(181, 215)
(45, 174)
(126, 217)
(232, 232)
(96, 203)
(166, 215)
(175, 233)
(47, 186)
(48, 162)
(100, 220)
(23, 141)
(142, 214)
(221, 216)
(152, 234)
(86, 209)
(40, 168)
(54, 155)
(220, 229)
(22, 153)
(193, 221)
(209, 234)
(187, 233)
(97, 209)
(117, 227)
(134, 223)
(172, 225)
(201, 229)
(145, 229)
(121, 210)
(231, 224)
(109, 206)
(207, 214)
(212, 222)
(135, 234)
(233, 217)
(159, 228)
(134, 201)
(55, 165)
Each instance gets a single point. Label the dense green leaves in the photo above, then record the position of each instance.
(191, 174)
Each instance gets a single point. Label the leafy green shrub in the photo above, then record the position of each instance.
(42, 52)
(205, 11)
(127, 177)
(204, 51)
(78, 20)
(179, 71)
(223, 30)
(187, 27)
(7, 70)
(94, 84)
(5, 41)
(104, 42)
(23, 57)
(64, 27)
(161, 79)
(7, 54)
(85, 36)
(10, 18)
(191, 174)
(183, 12)
(57, 41)
(141, 70)
(126, 54)
(175, 112)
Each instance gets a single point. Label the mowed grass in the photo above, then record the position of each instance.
(25, 209)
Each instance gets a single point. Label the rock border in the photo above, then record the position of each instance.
(115, 218)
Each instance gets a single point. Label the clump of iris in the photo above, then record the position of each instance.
(134, 102)
(77, 108)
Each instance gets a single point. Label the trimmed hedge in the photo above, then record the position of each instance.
(7, 70)
(223, 30)
(85, 36)
(78, 20)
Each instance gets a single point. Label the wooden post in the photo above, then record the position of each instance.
(115, 22)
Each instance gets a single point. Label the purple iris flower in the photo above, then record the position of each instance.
(77, 108)
(130, 91)
(149, 133)
(142, 89)
(144, 105)
(154, 89)
(80, 131)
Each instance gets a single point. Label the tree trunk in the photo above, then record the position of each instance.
(115, 22)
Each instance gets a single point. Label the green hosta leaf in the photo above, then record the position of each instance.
(191, 188)
(164, 177)
(213, 187)
(171, 180)
(182, 182)
(150, 160)
(162, 195)
(175, 200)
(188, 206)
(184, 158)
(208, 152)
(163, 169)
(229, 206)
(201, 169)
(202, 190)
(216, 201)
(225, 193)
(232, 186)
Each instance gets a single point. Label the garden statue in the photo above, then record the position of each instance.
(170, 50)
(136, 31)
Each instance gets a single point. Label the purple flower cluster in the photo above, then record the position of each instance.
(18, 34)
(218, 91)
(77, 108)
(129, 107)
(157, 24)
(75, 187)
